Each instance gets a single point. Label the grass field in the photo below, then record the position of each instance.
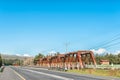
(98, 72)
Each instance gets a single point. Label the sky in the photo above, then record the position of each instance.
(29, 27)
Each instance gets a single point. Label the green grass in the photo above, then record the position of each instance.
(98, 72)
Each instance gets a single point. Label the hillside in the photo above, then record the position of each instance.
(5, 56)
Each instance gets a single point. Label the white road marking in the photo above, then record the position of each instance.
(36, 68)
(19, 75)
(51, 75)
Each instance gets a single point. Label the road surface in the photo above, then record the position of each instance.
(9, 74)
(22, 73)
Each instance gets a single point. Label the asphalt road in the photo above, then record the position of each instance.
(43, 74)
(9, 74)
(30, 73)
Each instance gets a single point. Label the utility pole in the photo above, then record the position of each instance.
(66, 46)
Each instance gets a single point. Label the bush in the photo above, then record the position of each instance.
(0, 60)
(2, 68)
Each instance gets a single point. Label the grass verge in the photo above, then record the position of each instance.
(98, 72)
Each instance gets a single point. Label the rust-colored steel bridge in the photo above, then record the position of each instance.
(71, 60)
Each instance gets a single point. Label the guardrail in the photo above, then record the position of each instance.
(104, 66)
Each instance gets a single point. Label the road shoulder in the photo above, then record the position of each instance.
(9, 74)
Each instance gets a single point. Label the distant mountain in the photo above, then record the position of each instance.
(5, 56)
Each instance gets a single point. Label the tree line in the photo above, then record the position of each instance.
(8, 62)
(0, 60)
(112, 58)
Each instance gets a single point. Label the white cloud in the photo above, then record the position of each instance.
(52, 53)
(99, 51)
(6, 53)
(116, 52)
(18, 54)
(26, 55)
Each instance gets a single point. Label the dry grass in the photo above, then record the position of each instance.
(99, 72)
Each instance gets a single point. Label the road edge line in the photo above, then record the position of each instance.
(18, 74)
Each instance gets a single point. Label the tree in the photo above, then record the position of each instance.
(98, 58)
(112, 58)
(37, 57)
(58, 53)
(0, 60)
(12, 61)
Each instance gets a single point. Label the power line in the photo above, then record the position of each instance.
(107, 43)
(104, 43)
(111, 45)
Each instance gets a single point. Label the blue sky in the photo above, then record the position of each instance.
(33, 26)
